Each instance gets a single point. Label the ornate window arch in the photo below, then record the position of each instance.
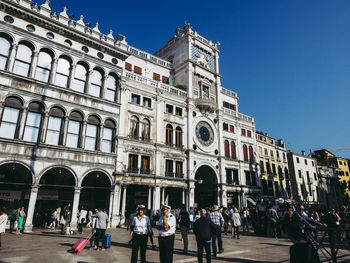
(23, 59)
(43, 68)
(145, 129)
(233, 150)
(10, 119)
(178, 137)
(227, 149)
(75, 125)
(108, 138)
(54, 133)
(5, 47)
(251, 154)
(33, 126)
(92, 133)
(96, 82)
(169, 135)
(80, 77)
(134, 127)
(64, 66)
(111, 88)
(245, 153)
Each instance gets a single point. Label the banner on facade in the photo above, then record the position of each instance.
(10, 195)
(46, 195)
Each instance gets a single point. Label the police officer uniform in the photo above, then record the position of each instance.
(166, 236)
(140, 227)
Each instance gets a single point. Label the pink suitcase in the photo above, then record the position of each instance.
(81, 243)
(79, 246)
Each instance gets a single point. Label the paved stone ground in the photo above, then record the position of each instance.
(50, 246)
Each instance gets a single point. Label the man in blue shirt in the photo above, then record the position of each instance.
(218, 221)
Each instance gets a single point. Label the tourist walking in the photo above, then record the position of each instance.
(244, 218)
(167, 227)
(21, 217)
(184, 222)
(65, 218)
(101, 226)
(203, 228)
(272, 218)
(13, 217)
(332, 220)
(140, 226)
(53, 219)
(217, 219)
(236, 223)
(81, 219)
(3, 223)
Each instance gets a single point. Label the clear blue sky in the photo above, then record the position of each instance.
(289, 61)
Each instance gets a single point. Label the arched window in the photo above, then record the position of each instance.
(74, 130)
(111, 87)
(10, 118)
(108, 136)
(96, 83)
(251, 154)
(169, 135)
(55, 126)
(23, 60)
(92, 133)
(178, 137)
(5, 46)
(33, 122)
(43, 68)
(63, 71)
(233, 150)
(134, 127)
(80, 76)
(145, 129)
(227, 149)
(245, 153)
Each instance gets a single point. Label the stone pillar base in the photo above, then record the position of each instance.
(115, 222)
(28, 228)
(73, 226)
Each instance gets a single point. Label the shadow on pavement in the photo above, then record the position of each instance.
(274, 244)
(241, 260)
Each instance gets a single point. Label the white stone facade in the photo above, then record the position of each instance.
(304, 177)
(85, 115)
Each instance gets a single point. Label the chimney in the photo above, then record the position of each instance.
(303, 152)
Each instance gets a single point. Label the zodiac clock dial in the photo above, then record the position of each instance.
(204, 133)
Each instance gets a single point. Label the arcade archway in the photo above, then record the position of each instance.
(95, 191)
(15, 182)
(55, 191)
(206, 187)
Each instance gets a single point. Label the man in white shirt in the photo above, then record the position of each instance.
(140, 226)
(81, 219)
(167, 227)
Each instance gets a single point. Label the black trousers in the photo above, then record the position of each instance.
(235, 231)
(200, 246)
(100, 235)
(139, 242)
(80, 225)
(0, 239)
(184, 235)
(166, 248)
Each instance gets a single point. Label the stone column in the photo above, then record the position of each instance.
(44, 128)
(33, 65)
(111, 199)
(149, 203)
(183, 196)
(65, 130)
(73, 222)
(12, 56)
(83, 133)
(123, 205)
(88, 82)
(31, 207)
(104, 80)
(99, 138)
(71, 76)
(156, 198)
(243, 201)
(52, 77)
(163, 196)
(23, 123)
(190, 196)
(116, 206)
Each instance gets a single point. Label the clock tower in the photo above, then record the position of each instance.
(196, 70)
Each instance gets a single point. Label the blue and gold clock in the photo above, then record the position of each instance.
(205, 134)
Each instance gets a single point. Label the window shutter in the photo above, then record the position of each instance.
(165, 80)
(128, 66)
(156, 76)
(137, 70)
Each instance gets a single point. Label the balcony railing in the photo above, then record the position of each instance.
(145, 171)
(229, 112)
(245, 117)
(133, 170)
(148, 56)
(159, 86)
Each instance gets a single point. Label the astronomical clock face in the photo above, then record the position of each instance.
(205, 134)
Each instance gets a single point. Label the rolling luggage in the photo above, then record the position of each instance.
(107, 241)
(81, 243)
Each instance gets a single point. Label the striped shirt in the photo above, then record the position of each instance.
(216, 218)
